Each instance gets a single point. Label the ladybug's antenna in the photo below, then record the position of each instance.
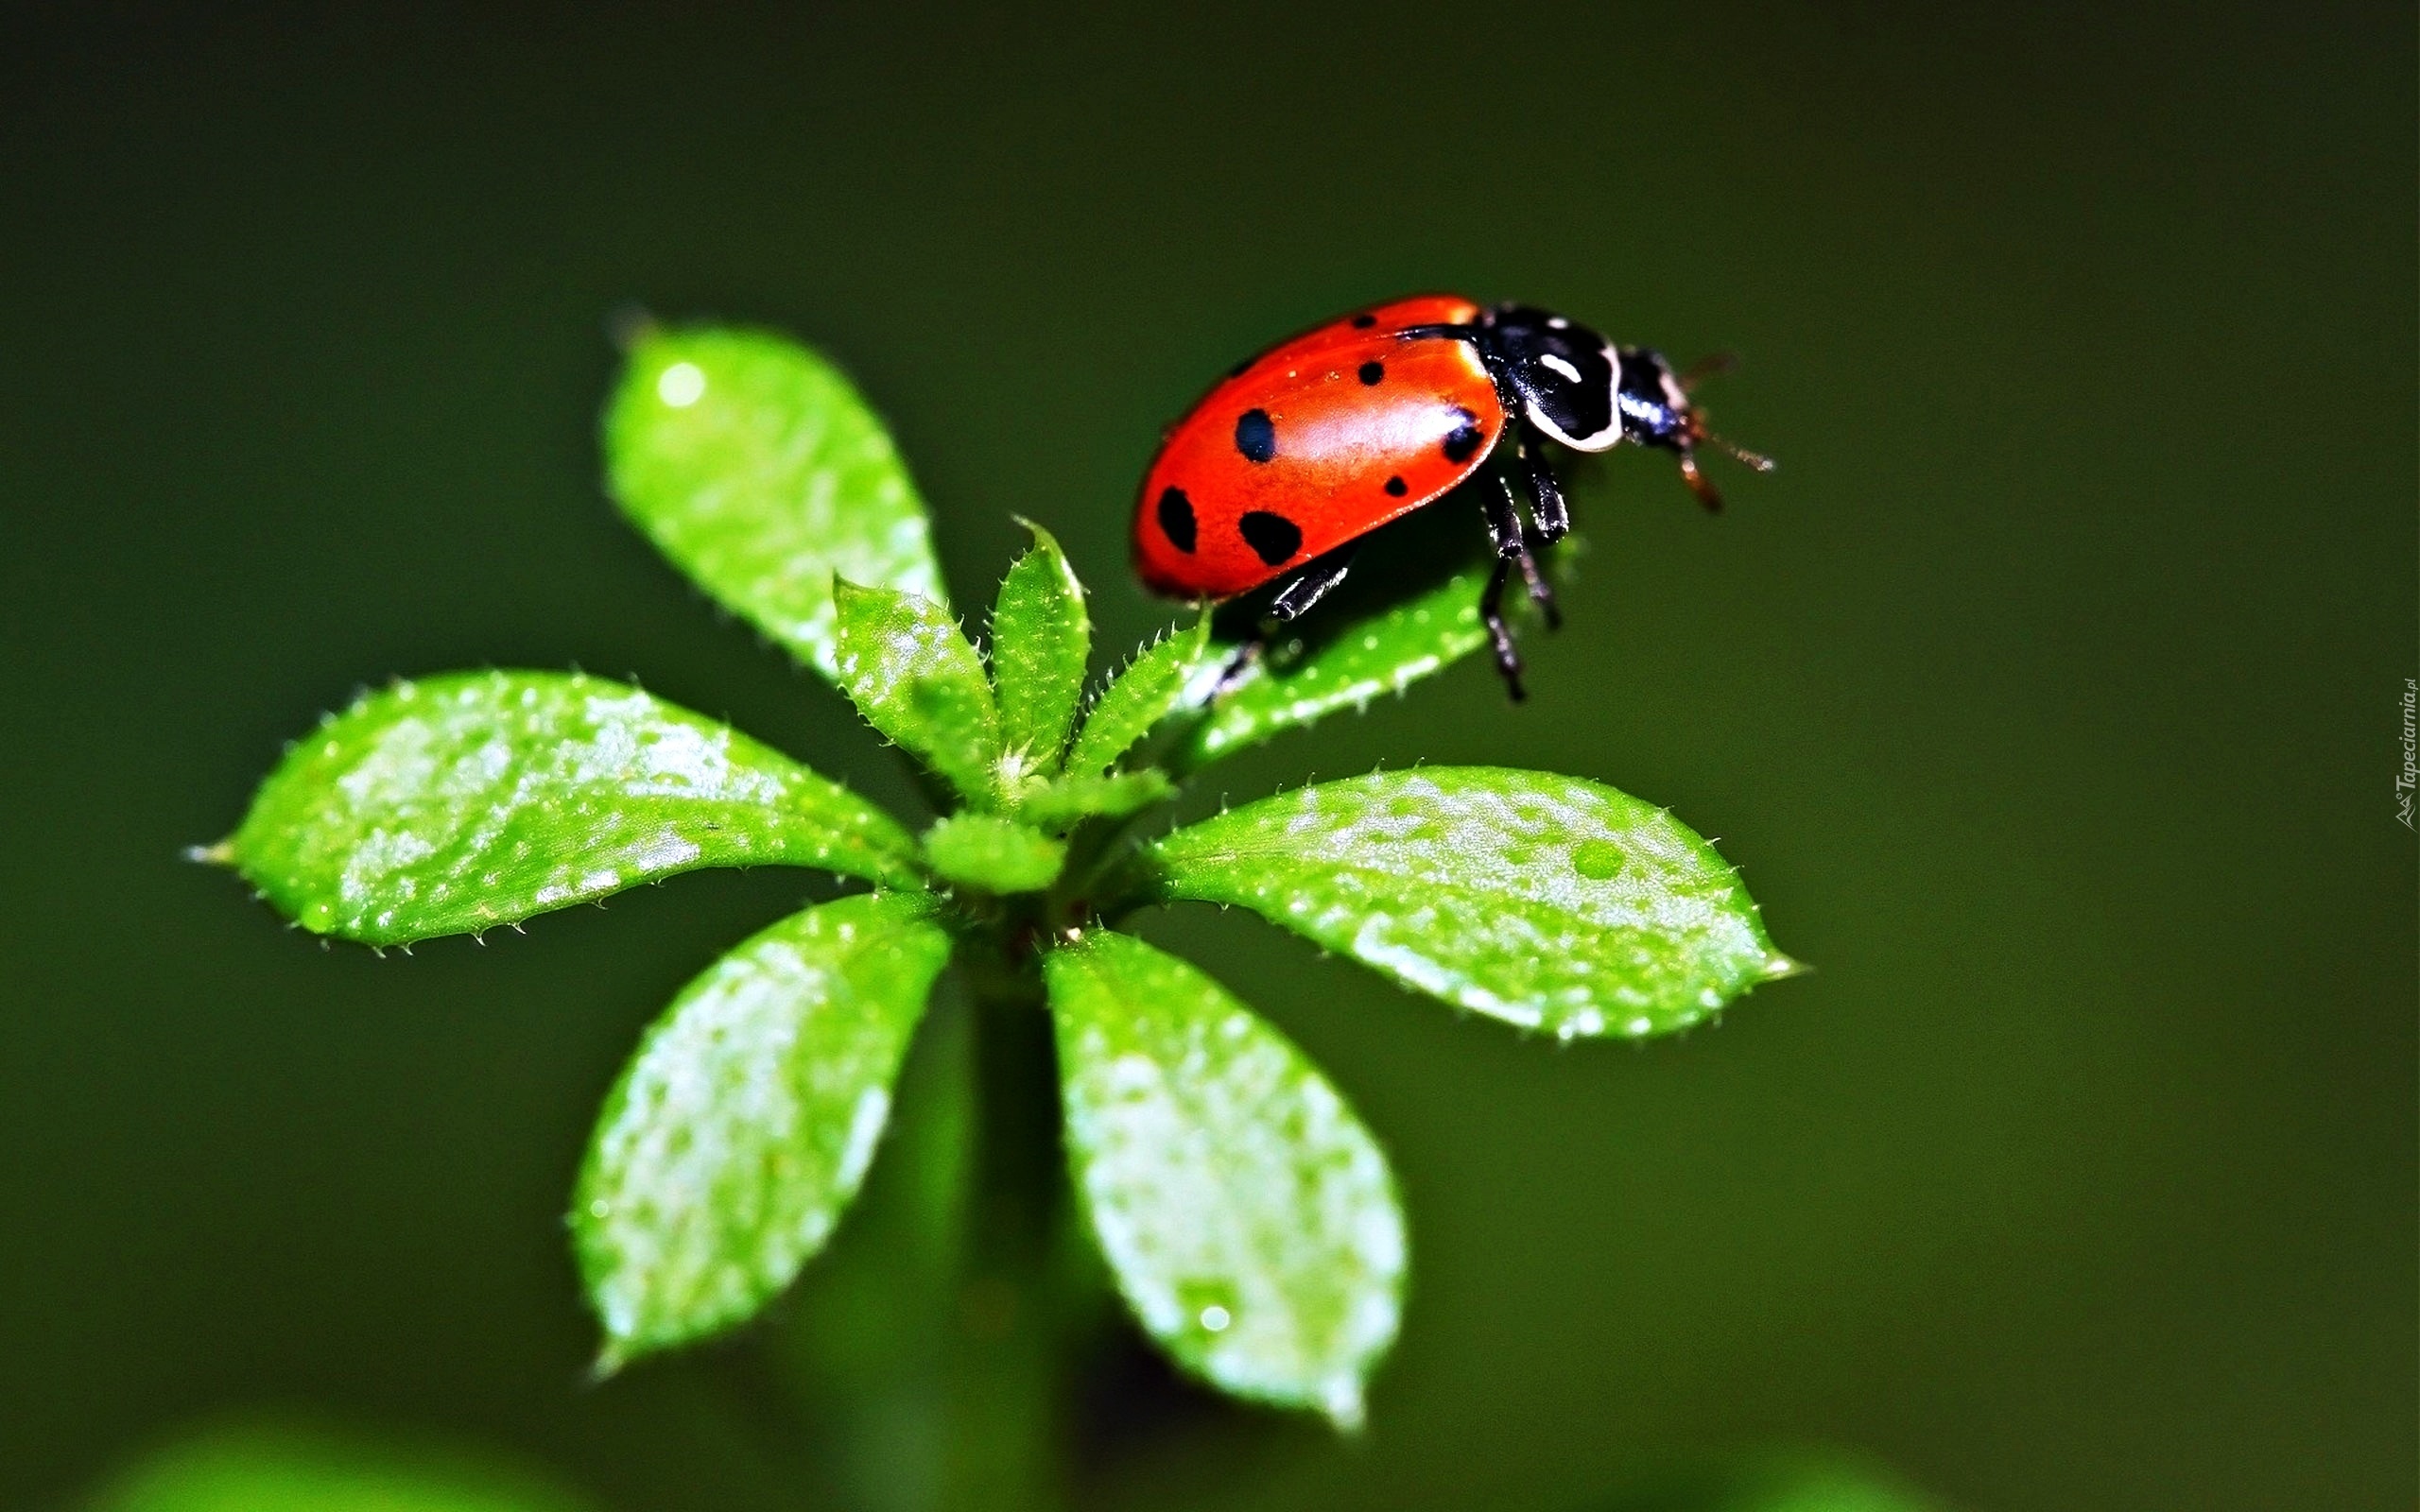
(1699, 483)
(1694, 433)
(1758, 461)
(1713, 365)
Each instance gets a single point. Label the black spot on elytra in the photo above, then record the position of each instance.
(1256, 435)
(1373, 372)
(1176, 519)
(1363, 322)
(1464, 438)
(1397, 488)
(1273, 537)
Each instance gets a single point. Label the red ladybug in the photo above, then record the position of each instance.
(1299, 453)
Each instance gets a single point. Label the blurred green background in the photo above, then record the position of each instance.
(2047, 692)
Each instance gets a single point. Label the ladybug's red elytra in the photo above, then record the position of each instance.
(1299, 453)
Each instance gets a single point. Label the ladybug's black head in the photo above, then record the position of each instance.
(1575, 387)
(1656, 411)
(1654, 407)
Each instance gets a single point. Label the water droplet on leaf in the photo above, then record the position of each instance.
(1597, 860)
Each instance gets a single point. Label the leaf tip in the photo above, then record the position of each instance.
(1343, 1404)
(628, 323)
(220, 854)
(1780, 968)
(610, 1359)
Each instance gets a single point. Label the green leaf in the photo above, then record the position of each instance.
(1820, 1488)
(1385, 653)
(1071, 799)
(1249, 1217)
(1137, 699)
(1787, 1480)
(272, 1469)
(1040, 640)
(460, 802)
(909, 668)
(754, 465)
(745, 1123)
(1547, 902)
(992, 854)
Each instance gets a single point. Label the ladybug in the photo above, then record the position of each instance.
(1282, 469)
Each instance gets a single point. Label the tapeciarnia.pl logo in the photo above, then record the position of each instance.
(2404, 779)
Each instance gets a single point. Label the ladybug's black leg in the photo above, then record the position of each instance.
(1248, 653)
(1547, 513)
(1527, 453)
(1491, 612)
(1541, 592)
(1546, 507)
(1513, 543)
(1310, 584)
(1504, 528)
(1503, 516)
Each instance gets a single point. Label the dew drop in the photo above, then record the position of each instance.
(682, 385)
(1597, 860)
(1210, 1304)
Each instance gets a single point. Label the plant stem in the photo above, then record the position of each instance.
(1005, 1372)
(933, 1349)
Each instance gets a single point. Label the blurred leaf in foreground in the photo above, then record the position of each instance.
(268, 1468)
(1776, 1481)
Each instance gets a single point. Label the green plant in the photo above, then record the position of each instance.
(272, 1467)
(282, 1467)
(1245, 1214)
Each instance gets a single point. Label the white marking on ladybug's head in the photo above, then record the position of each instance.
(1602, 440)
(1567, 376)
